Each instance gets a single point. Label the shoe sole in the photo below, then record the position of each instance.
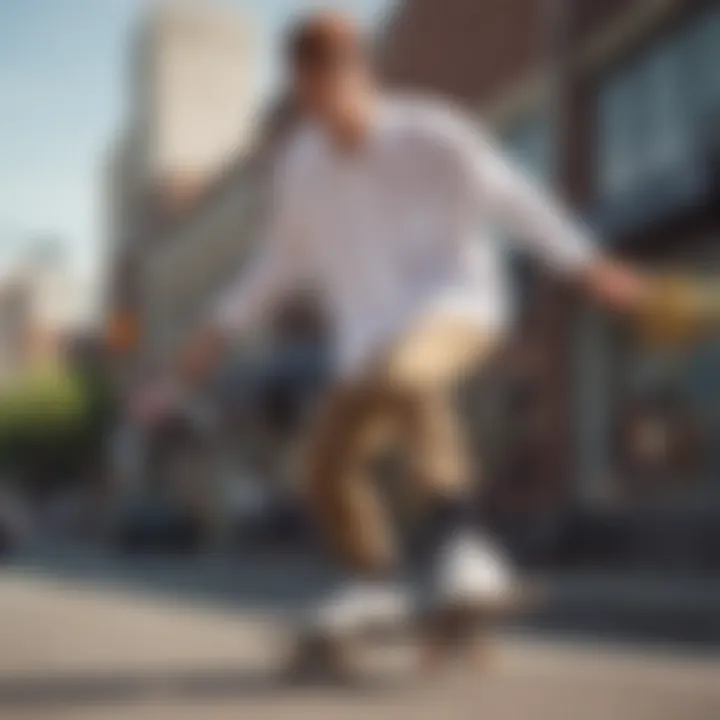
(395, 628)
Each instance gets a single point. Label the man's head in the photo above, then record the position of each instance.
(330, 68)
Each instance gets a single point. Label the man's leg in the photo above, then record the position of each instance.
(341, 491)
(354, 519)
(428, 364)
(408, 390)
(470, 576)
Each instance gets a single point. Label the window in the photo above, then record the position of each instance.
(703, 41)
(664, 124)
(617, 129)
(653, 112)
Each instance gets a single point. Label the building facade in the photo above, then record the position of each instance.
(190, 122)
(41, 304)
(645, 103)
(188, 188)
(614, 104)
(15, 324)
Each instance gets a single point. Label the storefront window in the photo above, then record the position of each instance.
(664, 122)
(656, 109)
(617, 128)
(665, 422)
(703, 41)
(648, 416)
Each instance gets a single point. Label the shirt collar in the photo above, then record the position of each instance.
(378, 131)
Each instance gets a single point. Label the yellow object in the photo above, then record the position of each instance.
(678, 309)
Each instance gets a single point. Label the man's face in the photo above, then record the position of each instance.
(330, 93)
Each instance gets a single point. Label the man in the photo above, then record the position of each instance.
(385, 205)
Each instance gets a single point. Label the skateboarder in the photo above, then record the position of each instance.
(384, 204)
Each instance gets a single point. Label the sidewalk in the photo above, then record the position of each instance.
(601, 605)
(669, 609)
(81, 651)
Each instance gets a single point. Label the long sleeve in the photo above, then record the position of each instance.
(276, 267)
(509, 198)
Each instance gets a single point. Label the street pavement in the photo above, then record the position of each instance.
(75, 647)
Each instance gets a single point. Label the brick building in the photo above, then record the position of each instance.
(616, 104)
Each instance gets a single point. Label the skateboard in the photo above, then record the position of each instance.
(457, 632)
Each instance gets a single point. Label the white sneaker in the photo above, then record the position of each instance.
(360, 606)
(471, 572)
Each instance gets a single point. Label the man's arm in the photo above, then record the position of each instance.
(250, 296)
(509, 197)
(254, 293)
(270, 275)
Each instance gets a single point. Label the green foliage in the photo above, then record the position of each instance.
(52, 422)
(49, 401)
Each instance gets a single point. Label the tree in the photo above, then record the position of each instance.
(51, 424)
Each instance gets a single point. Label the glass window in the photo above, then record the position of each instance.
(703, 49)
(618, 152)
(654, 111)
(664, 125)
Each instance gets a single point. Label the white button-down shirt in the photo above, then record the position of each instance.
(402, 228)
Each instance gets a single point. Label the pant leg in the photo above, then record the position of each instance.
(428, 363)
(343, 494)
(437, 353)
(407, 391)
(439, 461)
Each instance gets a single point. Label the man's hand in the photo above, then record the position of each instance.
(167, 394)
(617, 286)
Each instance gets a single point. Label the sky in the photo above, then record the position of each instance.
(62, 102)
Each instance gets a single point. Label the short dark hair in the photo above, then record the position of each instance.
(322, 40)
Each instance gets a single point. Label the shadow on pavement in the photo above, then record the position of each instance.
(239, 683)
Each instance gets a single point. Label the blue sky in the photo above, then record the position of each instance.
(62, 65)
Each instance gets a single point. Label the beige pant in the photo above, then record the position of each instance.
(403, 401)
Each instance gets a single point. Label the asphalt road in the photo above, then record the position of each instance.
(70, 648)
